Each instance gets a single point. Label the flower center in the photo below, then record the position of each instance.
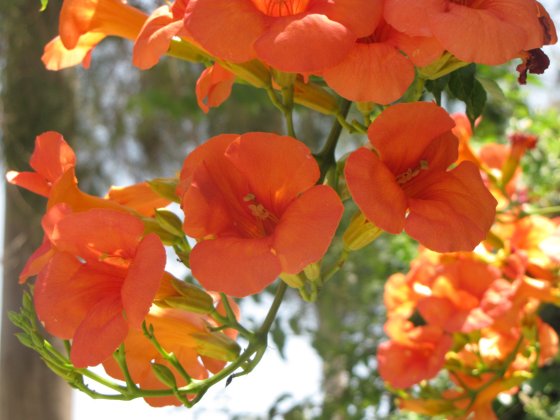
(265, 220)
(278, 8)
(411, 173)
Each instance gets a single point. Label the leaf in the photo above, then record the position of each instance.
(437, 86)
(44, 4)
(279, 338)
(465, 87)
(492, 88)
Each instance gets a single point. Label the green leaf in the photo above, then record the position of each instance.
(437, 86)
(44, 4)
(465, 87)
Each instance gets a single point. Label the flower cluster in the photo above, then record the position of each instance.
(256, 207)
(475, 315)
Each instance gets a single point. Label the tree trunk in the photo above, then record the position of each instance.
(33, 100)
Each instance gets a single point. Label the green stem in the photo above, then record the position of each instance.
(288, 97)
(326, 157)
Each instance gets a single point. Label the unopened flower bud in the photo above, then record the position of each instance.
(360, 232)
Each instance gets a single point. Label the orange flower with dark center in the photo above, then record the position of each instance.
(289, 35)
(405, 183)
(252, 203)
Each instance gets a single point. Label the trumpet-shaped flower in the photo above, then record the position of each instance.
(99, 281)
(85, 23)
(290, 35)
(405, 182)
(251, 202)
(481, 31)
(413, 353)
(383, 71)
(51, 158)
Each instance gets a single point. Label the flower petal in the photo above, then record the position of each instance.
(278, 168)
(453, 210)
(154, 38)
(143, 279)
(57, 57)
(99, 334)
(226, 28)
(304, 43)
(52, 156)
(213, 87)
(360, 16)
(384, 74)
(402, 132)
(110, 234)
(307, 228)
(235, 266)
(375, 191)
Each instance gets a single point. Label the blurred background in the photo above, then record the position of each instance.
(128, 126)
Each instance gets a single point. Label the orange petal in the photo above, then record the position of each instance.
(31, 181)
(237, 267)
(52, 156)
(421, 50)
(402, 366)
(278, 168)
(360, 16)
(226, 28)
(99, 334)
(384, 73)
(213, 149)
(375, 191)
(307, 228)
(58, 306)
(453, 212)
(37, 261)
(102, 237)
(489, 34)
(143, 279)
(213, 87)
(154, 38)
(138, 197)
(392, 137)
(57, 57)
(410, 17)
(304, 43)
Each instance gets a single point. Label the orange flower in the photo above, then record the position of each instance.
(481, 31)
(290, 35)
(464, 296)
(186, 335)
(85, 23)
(51, 158)
(213, 87)
(375, 60)
(54, 162)
(100, 279)
(413, 354)
(157, 32)
(252, 203)
(405, 183)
